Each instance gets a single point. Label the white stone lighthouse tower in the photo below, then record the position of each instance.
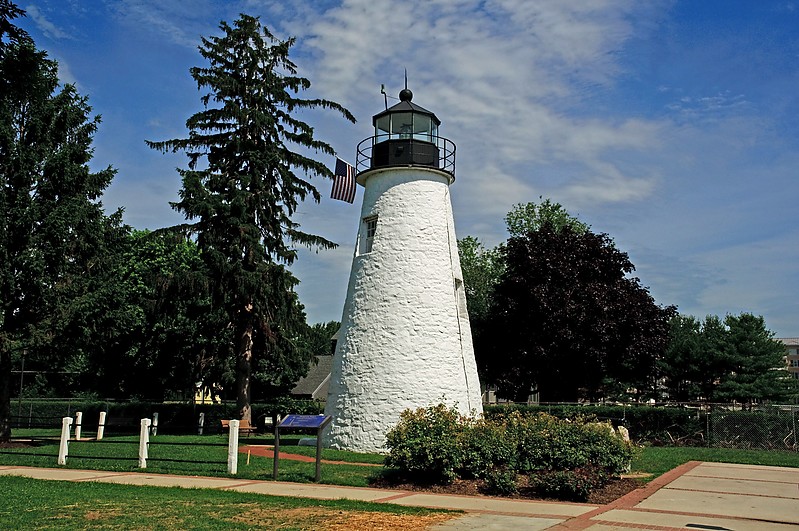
(405, 340)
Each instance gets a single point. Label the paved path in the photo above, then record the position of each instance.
(694, 496)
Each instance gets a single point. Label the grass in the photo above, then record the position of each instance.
(335, 455)
(206, 455)
(657, 460)
(38, 504)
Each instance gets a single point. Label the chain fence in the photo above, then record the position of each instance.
(730, 425)
(772, 428)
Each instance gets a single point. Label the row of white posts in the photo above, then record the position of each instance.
(148, 426)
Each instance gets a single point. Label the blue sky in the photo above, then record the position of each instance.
(669, 125)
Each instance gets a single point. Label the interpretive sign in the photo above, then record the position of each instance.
(302, 422)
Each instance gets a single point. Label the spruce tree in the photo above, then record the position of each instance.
(247, 173)
(52, 225)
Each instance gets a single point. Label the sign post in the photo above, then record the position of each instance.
(302, 422)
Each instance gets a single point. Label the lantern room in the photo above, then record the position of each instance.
(405, 134)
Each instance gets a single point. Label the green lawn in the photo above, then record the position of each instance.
(37, 504)
(659, 460)
(207, 456)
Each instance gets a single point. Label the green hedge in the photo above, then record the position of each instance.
(657, 425)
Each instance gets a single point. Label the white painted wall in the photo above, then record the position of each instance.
(405, 340)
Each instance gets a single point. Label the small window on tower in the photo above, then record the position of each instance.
(368, 234)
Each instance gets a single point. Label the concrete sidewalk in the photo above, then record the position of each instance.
(693, 496)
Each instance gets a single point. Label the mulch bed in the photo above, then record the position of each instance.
(609, 493)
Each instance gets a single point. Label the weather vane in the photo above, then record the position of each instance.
(385, 94)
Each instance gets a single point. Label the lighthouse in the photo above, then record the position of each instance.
(405, 340)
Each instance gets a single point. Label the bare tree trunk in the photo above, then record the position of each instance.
(244, 372)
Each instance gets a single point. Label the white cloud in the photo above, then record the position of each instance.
(182, 23)
(506, 77)
(45, 26)
(709, 106)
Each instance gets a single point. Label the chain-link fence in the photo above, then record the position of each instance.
(762, 427)
(772, 428)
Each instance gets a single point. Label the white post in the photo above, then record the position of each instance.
(154, 426)
(78, 421)
(101, 426)
(200, 424)
(63, 448)
(233, 448)
(144, 439)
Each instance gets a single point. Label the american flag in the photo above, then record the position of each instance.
(343, 182)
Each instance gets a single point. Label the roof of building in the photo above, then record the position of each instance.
(789, 341)
(315, 383)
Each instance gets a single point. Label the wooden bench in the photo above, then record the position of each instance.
(244, 427)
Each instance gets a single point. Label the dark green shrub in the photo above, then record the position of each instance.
(436, 444)
(500, 481)
(568, 485)
(487, 447)
(426, 445)
(546, 442)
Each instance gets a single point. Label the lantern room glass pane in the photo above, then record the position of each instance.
(402, 124)
(422, 127)
(383, 128)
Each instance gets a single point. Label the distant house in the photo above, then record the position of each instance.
(314, 385)
(791, 355)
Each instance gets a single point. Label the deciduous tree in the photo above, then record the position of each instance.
(567, 317)
(482, 268)
(529, 217)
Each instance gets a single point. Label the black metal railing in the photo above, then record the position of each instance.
(382, 151)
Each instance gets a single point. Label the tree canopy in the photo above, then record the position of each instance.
(529, 217)
(53, 231)
(245, 180)
(568, 319)
(736, 359)
(555, 309)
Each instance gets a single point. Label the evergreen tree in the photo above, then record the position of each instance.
(681, 364)
(241, 189)
(52, 225)
(755, 369)
(721, 361)
(318, 338)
